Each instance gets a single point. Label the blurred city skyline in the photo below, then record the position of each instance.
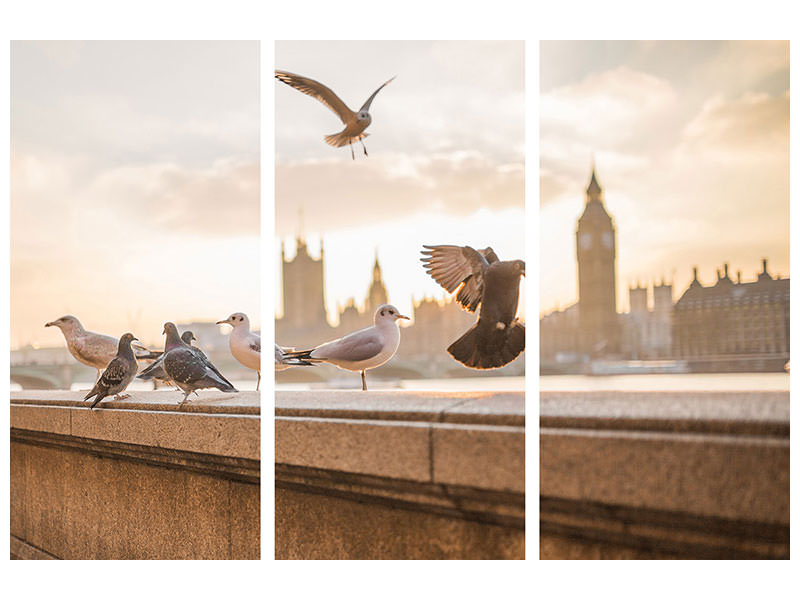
(446, 161)
(690, 141)
(135, 181)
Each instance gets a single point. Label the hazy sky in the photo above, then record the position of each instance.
(134, 185)
(691, 142)
(445, 165)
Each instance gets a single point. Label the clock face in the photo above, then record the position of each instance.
(585, 240)
(608, 239)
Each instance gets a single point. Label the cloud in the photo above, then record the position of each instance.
(609, 106)
(337, 195)
(741, 128)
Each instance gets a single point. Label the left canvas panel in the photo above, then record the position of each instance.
(135, 300)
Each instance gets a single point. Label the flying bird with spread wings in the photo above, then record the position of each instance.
(482, 279)
(354, 122)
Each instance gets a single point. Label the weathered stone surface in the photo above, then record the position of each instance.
(391, 449)
(489, 409)
(487, 457)
(399, 475)
(52, 419)
(192, 432)
(500, 408)
(135, 484)
(208, 401)
(659, 475)
(314, 526)
(712, 412)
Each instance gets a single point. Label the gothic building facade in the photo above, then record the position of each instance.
(733, 318)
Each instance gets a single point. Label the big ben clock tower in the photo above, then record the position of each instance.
(595, 237)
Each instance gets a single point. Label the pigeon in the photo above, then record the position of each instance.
(354, 122)
(482, 279)
(363, 349)
(118, 375)
(282, 362)
(188, 367)
(90, 348)
(245, 345)
(156, 369)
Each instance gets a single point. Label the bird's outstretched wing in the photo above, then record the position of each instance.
(489, 255)
(366, 105)
(454, 266)
(317, 90)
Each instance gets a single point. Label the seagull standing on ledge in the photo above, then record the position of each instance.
(363, 349)
(354, 122)
(245, 345)
(118, 375)
(481, 278)
(90, 348)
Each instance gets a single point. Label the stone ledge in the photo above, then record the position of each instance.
(406, 436)
(222, 425)
(399, 475)
(488, 408)
(677, 474)
(140, 478)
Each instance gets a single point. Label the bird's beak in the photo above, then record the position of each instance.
(223, 322)
(50, 324)
(164, 331)
(404, 317)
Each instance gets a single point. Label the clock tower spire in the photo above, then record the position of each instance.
(595, 238)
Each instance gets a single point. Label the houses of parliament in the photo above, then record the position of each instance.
(727, 325)
(422, 351)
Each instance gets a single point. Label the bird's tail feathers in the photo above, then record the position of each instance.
(489, 349)
(300, 357)
(337, 140)
(222, 384)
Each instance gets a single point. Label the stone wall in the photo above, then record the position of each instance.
(139, 478)
(664, 475)
(394, 475)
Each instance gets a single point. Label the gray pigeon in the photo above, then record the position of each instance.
(118, 375)
(481, 279)
(156, 369)
(90, 348)
(188, 367)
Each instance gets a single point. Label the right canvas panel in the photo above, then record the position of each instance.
(664, 299)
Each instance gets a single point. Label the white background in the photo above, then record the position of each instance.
(409, 19)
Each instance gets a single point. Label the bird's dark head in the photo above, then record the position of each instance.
(169, 327)
(363, 115)
(127, 338)
(188, 337)
(519, 267)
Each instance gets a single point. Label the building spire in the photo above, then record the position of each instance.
(593, 191)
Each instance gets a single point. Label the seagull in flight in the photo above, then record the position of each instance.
(482, 279)
(361, 350)
(354, 122)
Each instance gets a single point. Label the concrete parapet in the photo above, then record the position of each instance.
(139, 478)
(664, 475)
(417, 475)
